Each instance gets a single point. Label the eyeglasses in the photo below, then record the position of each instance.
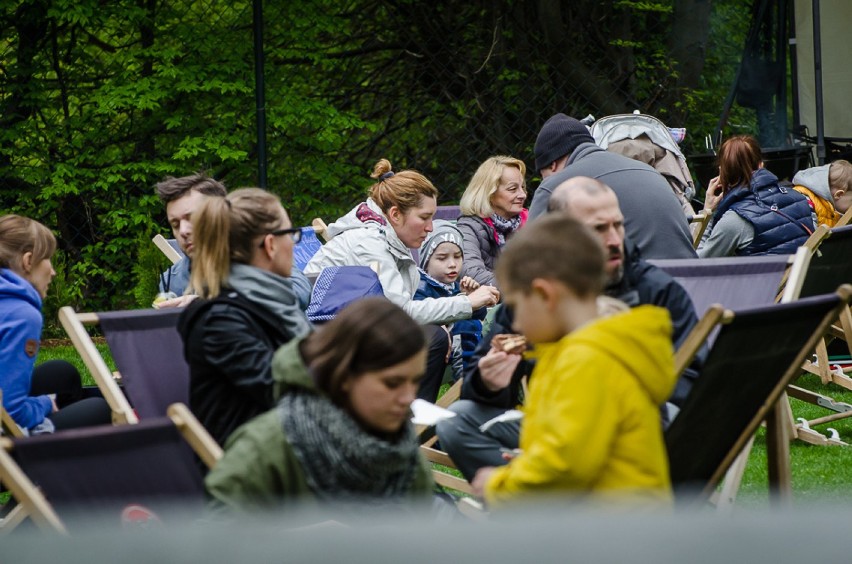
(294, 232)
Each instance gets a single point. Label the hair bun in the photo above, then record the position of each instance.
(381, 168)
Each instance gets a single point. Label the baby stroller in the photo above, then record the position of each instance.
(647, 139)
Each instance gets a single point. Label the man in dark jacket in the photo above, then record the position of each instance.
(653, 217)
(492, 385)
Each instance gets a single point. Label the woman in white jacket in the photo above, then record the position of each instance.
(396, 218)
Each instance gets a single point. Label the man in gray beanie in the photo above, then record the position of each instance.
(653, 217)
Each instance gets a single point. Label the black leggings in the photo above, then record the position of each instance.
(61, 378)
(436, 362)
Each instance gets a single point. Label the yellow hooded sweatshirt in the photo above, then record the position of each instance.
(592, 418)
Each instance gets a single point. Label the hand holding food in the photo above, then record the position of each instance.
(509, 343)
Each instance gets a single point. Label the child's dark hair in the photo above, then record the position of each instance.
(556, 247)
(370, 334)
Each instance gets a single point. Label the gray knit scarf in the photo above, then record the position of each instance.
(341, 461)
(272, 292)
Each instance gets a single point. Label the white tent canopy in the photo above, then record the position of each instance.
(836, 49)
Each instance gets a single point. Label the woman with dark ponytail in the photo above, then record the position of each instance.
(395, 218)
(754, 215)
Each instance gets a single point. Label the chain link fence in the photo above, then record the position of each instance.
(99, 101)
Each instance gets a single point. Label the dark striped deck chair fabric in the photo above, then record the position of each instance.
(110, 470)
(750, 363)
(831, 265)
(148, 352)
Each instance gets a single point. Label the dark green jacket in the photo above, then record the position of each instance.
(259, 469)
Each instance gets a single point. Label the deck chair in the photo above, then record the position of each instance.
(829, 266)
(753, 358)
(113, 472)
(148, 353)
(169, 247)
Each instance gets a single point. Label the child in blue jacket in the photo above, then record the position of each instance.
(440, 262)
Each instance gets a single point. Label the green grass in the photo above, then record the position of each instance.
(818, 472)
(69, 353)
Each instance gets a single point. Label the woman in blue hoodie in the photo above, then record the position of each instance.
(26, 248)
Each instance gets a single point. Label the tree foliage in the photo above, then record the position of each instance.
(102, 99)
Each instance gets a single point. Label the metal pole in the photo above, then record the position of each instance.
(260, 98)
(820, 118)
(794, 69)
(782, 128)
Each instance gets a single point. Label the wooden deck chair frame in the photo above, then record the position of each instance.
(844, 219)
(321, 228)
(698, 225)
(34, 504)
(8, 428)
(434, 455)
(74, 324)
(163, 244)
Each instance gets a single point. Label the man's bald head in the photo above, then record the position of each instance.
(562, 195)
(595, 204)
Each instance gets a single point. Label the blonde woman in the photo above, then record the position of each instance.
(492, 209)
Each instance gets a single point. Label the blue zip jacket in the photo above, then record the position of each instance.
(20, 331)
(470, 330)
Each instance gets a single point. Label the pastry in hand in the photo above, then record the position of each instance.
(509, 343)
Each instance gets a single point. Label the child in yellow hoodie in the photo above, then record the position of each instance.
(591, 421)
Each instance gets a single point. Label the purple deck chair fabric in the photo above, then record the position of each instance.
(734, 282)
(831, 266)
(743, 372)
(107, 469)
(148, 352)
(449, 213)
